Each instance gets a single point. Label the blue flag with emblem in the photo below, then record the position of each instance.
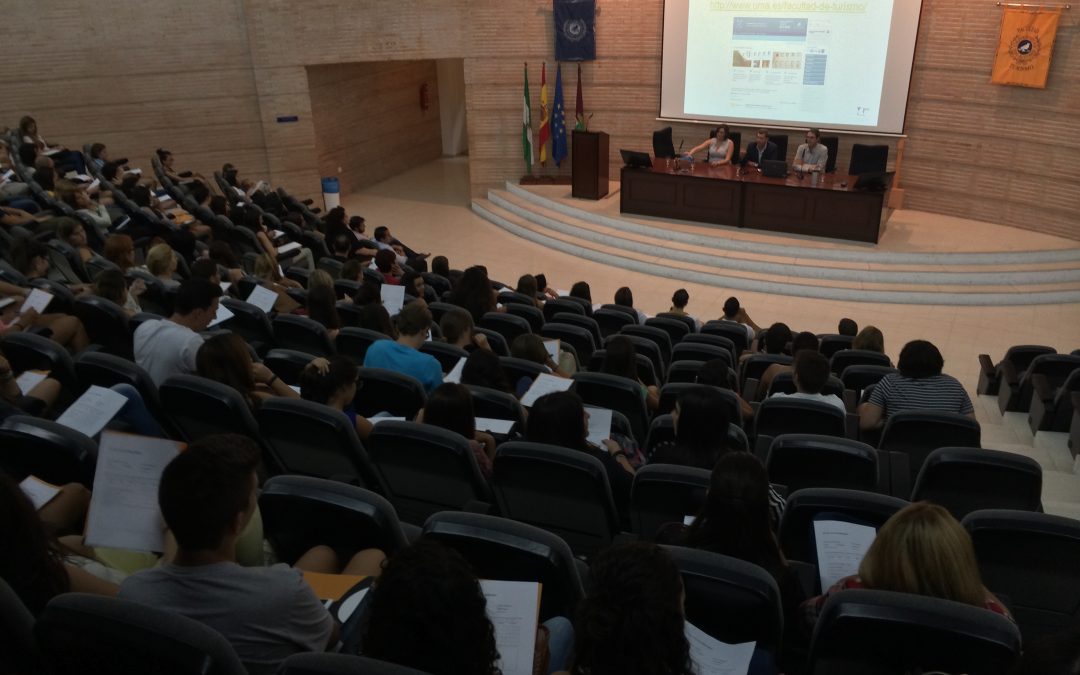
(575, 23)
(558, 122)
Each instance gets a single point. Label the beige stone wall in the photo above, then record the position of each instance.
(136, 76)
(1003, 154)
(368, 121)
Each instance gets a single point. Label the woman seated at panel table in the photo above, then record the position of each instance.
(721, 147)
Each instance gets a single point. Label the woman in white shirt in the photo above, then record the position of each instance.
(721, 148)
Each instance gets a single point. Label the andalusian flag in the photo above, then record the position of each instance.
(526, 126)
(545, 132)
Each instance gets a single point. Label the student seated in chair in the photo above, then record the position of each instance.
(207, 496)
(920, 385)
(168, 346)
(403, 354)
(811, 374)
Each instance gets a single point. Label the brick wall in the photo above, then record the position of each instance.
(136, 76)
(368, 120)
(1003, 154)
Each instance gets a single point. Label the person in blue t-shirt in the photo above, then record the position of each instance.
(403, 355)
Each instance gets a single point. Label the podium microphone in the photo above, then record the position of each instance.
(679, 152)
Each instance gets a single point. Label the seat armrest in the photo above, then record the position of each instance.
(1041, 388)
(851, 401)
(750, 390)
(884, 472)
(987, 366)
(900, 475)
(412, 532)
(761, 447)
(476, 506)
(807, 575)
(851, 426)
(1008, 372)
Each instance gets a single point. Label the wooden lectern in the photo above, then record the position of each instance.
(590, 167)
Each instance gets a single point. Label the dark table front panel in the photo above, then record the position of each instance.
(681, 197)
(856, 216)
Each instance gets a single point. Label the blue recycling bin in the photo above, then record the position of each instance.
(331, 192)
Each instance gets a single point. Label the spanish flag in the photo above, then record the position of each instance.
(1025, 46)
(545, 130)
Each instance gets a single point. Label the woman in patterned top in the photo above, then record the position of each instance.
(920, 550)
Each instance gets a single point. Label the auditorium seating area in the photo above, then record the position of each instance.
(546, 511)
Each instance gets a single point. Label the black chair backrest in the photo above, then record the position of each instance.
(616, 393)
(1021, 356)
(800, 461)
(389, 391)
(1030, 558)
(302, 334)
(670, 393)
(534, 315)
(797, 525)
(287, 364)
(106, 323)
(868, 159)
(676, 330)
(787, 415)
(508, 297)
(784, 383)
(250, 323)
(563, 491)
(27, 351)
(858, 378)
(832, 144)
(496, 341)
(663, 494)
(198, 407)
(106, 370)
(657, 336)
(755, 366)
(683, 371)
(878, 632)
(440, 308)
(646, 347)
(917, 433)
(830, 344)
(611, 321)
(439, 283)
(969, 479)
(312, 439)
(426, 469)
(662, 143)
(313, 663)
(300, 512)
(558, 305)
(516, 368)
(845, 358)
(579, 337)
(748, 594)
(353, 342)
(781, 145)
(507, 325)
(50, 451)
(497, 405)
(446, 354)
(498, 548)
(79, 632)
(688, 321)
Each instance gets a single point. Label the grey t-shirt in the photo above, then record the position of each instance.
(266, 613)
(165, 348)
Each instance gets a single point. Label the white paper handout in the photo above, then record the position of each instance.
(552, 347)
(288, 248)
(599, 424)
(493, 426)
(263, 298)
(713, 657)
(124, 510)
(39, 492)
(30, 379)
(93, 410)
(393, 298)
(37, 300)
(223, 314)
(545, 384)
(454, 376)
(513, 607)
(840, 548)
(375, 419)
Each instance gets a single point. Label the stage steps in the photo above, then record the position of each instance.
(787, 267)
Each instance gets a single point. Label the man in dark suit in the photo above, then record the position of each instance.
(763, 150)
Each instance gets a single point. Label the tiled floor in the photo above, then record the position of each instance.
(428, 208)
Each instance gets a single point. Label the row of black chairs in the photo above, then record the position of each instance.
(1037, 380)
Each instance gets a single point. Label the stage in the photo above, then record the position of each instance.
(920, 258)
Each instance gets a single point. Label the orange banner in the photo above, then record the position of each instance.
(1025, 46)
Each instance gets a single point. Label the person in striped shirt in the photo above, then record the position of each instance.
(919, 385)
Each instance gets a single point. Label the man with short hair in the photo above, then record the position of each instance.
(735, 313)
(167, 347)
(811, 155)
(847, 327)
(761, 151)
(811, 375)
(207, 495)
(403, 355)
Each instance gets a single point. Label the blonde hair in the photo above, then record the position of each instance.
(320, 278)
(266, 268)
(869, 338)
(160, 259)
(923, 550)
